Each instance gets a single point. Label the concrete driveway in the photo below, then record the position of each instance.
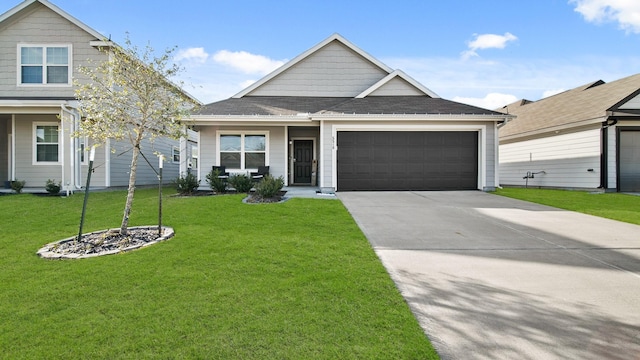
(495, 278)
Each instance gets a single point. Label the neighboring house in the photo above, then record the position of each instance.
(337, 118)
(584, 138)
(42, 47)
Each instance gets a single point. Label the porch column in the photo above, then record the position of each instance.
(12, 159)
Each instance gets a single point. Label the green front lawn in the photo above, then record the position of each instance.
(616, 206)
(296, 280)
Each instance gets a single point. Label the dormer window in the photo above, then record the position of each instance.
(44, 65)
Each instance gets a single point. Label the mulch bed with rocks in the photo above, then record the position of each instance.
(105, 242)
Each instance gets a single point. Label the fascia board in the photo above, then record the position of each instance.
(313, 118)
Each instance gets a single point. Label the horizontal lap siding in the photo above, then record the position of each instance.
(334, 71)
(34, 175)
(145, 172)
(41, 26)
(277, 146)
(565, 159)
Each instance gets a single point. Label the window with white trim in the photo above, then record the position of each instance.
(175, 155)
(194, 156)
(42, 65)
(243, 151)
(46, 143)
(82, 148)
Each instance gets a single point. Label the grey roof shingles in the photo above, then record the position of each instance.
(588, 102)
(292, 105)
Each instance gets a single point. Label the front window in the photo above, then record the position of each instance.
(44, 64)
(175, 155)
(243, 150)
(46, 143)
(194, 156)
(82, 145)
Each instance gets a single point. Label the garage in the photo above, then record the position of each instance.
(407, 160)
(629, 153)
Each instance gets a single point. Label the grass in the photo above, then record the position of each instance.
(616, 206)
(296, 280)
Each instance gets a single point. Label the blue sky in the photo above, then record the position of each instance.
(486, 53)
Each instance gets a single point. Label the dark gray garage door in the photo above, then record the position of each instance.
(407, 160)
(629, 160)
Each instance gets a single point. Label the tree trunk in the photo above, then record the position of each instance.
(132, 185)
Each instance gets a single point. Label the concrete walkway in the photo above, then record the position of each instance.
(495, 278)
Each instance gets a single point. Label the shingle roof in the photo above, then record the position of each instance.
(585, 103)
(292, 105)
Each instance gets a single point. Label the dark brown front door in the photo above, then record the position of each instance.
(302, 161)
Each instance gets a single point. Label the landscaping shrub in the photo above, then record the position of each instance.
(269, 186)
(53, 187)
(241, 182)
(17, 185)
(187, 184)
(215, 183)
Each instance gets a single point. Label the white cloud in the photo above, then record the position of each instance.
(455, 78)
(247, 83)
(552, 92)
(625, 12)
(490, 101)
(487, 41)
(197, 55)
(246, 62)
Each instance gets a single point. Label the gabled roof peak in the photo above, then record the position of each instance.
(402, 75)
(334, 37)
(23, 5)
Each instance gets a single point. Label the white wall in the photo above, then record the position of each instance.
(565, 159)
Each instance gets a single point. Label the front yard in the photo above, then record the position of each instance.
(616, 206)
(296, 280)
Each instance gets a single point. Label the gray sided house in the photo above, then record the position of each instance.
(584, 138)
(42, 47)
(337, 118)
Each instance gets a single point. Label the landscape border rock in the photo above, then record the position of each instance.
(138, 237)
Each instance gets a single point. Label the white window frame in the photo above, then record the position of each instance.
(175, 150)
(44, 64)
(195, 158)
(35, 143)
(242, 152)
(82, 149)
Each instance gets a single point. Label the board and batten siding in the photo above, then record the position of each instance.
(334, 71)
(41, 26)
(487, 137)
(565, 159)
(277, 148)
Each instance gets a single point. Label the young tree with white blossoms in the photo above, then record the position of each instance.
(130, 97)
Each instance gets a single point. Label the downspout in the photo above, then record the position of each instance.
(604, 154)
(75, 167)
